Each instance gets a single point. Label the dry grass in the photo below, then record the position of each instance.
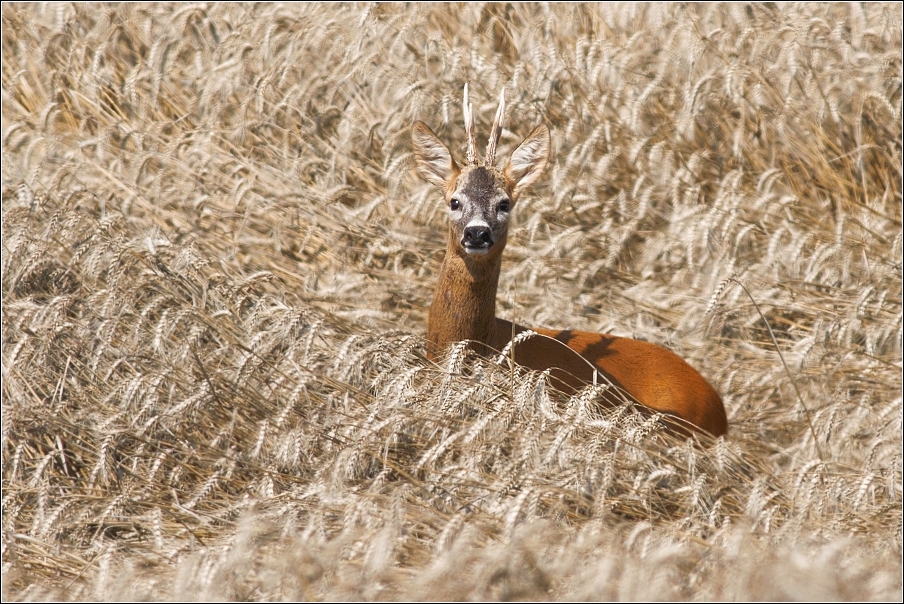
(217, 263)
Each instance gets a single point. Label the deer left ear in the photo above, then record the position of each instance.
(528, 160)
(434, 162)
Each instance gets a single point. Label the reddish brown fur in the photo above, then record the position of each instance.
(654, 376)
(463, 308)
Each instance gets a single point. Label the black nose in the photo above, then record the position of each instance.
(477, 236)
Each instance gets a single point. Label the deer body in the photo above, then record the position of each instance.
(480, 199)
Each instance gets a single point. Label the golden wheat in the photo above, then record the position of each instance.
(217, 265)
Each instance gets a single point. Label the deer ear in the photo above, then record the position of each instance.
(528, 160)
(434, 162)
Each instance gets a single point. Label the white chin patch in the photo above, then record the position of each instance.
(477, 251)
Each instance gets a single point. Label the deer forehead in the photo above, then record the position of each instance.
(480, 185)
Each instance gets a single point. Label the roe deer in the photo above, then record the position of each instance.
(480, 200)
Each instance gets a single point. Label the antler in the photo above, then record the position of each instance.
(496, 131)
(469, 129)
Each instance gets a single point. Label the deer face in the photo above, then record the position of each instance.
(479, 207)
(479, 198)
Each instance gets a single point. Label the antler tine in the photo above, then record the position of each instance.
(496, 131)
(469, 129)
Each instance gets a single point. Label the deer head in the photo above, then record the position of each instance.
(480, 198)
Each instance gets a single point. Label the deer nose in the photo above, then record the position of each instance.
(477, 236)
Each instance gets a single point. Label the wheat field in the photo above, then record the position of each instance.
(217, 263)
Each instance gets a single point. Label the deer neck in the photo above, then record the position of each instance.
(464, 302)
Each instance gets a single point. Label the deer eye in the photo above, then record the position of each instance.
(454, 204)
(505, 205)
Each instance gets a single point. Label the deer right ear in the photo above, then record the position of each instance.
(434, 162)
(528, 160)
